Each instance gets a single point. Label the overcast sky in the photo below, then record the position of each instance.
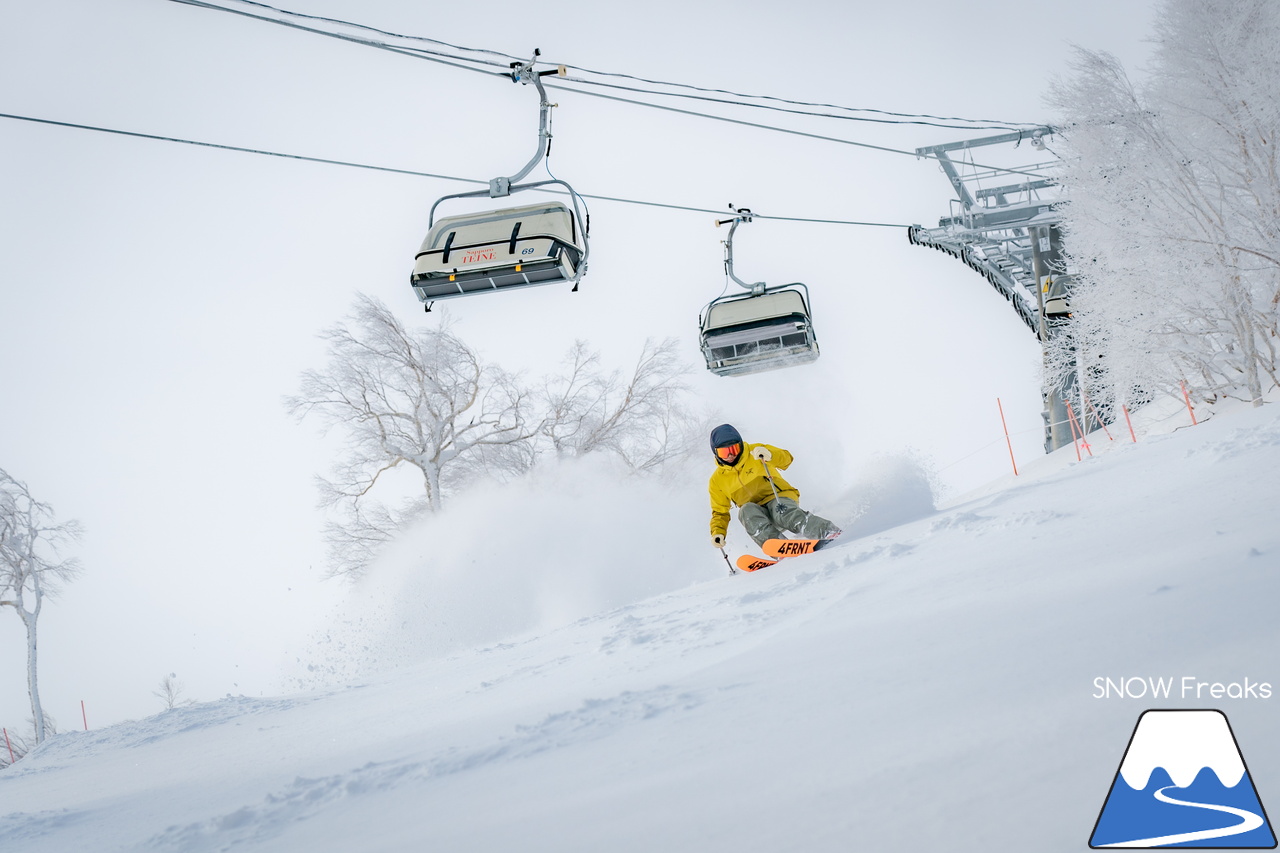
(157, 300)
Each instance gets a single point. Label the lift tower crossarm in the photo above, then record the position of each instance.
(994, 230)
(999, 193)
(940, 153)
(1010, 235)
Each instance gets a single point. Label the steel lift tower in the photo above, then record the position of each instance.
(1009, 234)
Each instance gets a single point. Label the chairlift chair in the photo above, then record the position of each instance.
(505, 249)
(1057, 296)
(497, 250)
(751, 334)
(766, 329)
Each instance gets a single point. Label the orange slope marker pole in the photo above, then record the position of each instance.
(1083, 438)
(1071, 422)
(1006, 437)
(1130, 423)
(1187, 397)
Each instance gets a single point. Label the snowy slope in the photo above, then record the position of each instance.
(927, 686)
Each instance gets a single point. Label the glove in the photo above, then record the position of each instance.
(762, 453)
(717, 540)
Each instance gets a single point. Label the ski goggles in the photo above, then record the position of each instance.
(729, 451)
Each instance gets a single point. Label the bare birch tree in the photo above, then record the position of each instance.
(170, 692)
(1173, 213)
(426, 401)
(643, 418)
(419, 399)
(31, 570)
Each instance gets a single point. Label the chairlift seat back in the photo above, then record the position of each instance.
(1057, 297)
(498, 250)
(749, 309)
(757, 333)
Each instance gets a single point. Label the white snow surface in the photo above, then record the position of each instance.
(566, 665)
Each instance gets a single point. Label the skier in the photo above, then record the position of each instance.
(746, 475)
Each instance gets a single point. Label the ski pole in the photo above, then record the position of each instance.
(725, 554)
(777, 501)
(769, 477)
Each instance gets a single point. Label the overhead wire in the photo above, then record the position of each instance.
(791, 131)
(924, 117)
(434, 58)
(920, 120)
(241, 149)
(461, 62)
(365, 27)
(897, 117)
(1011, 125)
(413, 172)
(417, 53)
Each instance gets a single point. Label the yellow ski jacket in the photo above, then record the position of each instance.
(744, 482)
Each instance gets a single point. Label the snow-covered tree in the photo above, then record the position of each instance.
(31, 569)
(644, 418)
(425, 400)
(1173, 208)
(419, 399)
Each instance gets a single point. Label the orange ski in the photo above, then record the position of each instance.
(749, 563)
(778, 548)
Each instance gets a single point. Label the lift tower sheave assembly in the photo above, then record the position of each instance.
(1008, 232)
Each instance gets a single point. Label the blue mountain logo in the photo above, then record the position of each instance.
(1183, 783)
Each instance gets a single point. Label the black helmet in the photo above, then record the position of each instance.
(726, 436)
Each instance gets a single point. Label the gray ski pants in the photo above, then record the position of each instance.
(767, 521)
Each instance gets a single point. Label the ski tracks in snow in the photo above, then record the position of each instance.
(305, 797)
(728, 619)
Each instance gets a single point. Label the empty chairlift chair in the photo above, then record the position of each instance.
(1057, 297)
(498, 250)
(764, 330)
(510, 248)
(742, 335)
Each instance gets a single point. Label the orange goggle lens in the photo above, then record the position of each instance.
(727, 453)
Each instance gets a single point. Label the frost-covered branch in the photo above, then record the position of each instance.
(417, 399)
(1173, 207)
(643, 419)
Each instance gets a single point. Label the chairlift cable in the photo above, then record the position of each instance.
(788, 130)
(416, 53)
(717, 212)
(241, 149)
(504, 57)
(1010, 125)
(999, 122)
(413, 172)
(907, 118)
